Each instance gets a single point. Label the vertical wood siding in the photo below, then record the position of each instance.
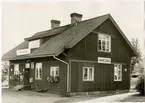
(86, 49)
(46, 64)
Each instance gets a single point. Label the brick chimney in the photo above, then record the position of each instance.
(75, 17)
(55, 23)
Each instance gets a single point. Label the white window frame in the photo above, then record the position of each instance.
(38, 67)
(54, 69)
(117, 69)
(32, 65)
(34, 44)
(27, 65)
(104, 38)
(16, 69)
(88, 71)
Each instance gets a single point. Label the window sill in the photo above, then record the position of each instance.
(104, 51)
(88, 80)
(118, 81)
(38, 79)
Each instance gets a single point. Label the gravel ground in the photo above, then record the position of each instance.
(134, 98)
(24, 96)
(12, 96)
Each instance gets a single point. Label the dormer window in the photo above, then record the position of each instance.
(34, 44)
(104, 43)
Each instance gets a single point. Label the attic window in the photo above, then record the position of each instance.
(34, 44)
(104, 43)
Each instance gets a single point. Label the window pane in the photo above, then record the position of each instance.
(16, 69)
(27, 65)
(54, 71)
(103, 43)
(57, 72)
(90, 74)
(85, 73)
(37, 73)
(99, 44)
(117, 72)
(40, 73)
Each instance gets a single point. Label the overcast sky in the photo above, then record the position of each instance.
(23, 19)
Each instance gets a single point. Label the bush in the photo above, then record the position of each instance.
(140, 85)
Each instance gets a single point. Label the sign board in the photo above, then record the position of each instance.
(23, 52)
(104, 60)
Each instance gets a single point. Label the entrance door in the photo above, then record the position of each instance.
(26, 76)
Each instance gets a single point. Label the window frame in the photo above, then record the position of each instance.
(88, 69)
(32, 44)
(105, 42)
(55, 70)
(16, 72)
(26, 64)
(38, 78)
(119, 69)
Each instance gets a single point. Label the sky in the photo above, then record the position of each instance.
(23, 18)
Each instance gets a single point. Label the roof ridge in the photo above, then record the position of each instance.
(95, 17)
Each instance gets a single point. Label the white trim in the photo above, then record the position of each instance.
(27, 65)
(39, 67)
(54, 68)
(118, 69)
(34, 44)
(106, 40)
(16, 69)
(88, 71)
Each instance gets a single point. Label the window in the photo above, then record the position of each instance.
(16, 69)
(38, 71)
(117, 72)
(32, 65)
(34, 44)
(54, 71)
(104, 43)
(88, 73)
(27, 65)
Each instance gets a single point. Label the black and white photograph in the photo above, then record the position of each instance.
(72, 51)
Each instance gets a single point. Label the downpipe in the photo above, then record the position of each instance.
(67, 70)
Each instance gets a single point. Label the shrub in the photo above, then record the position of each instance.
(140, 85)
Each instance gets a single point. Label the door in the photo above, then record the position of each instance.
(26, 76)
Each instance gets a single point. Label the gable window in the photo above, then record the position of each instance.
(38, 71)
(104, 43)
(88, 73)
(16, 69)
(117, 72)
(34, 44)
(54, 71)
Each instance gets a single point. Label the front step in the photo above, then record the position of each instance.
(27, 87)
(19, 87)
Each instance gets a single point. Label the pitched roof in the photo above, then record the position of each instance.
(50, 32)
(68, 36)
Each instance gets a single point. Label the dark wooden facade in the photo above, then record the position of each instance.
(86, 53)
(43, 84)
